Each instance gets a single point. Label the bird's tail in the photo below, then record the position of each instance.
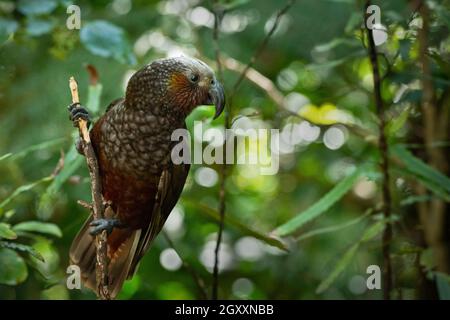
(122, 244)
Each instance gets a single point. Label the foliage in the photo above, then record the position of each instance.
(313, 82)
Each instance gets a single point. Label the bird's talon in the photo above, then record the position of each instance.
(97, 226)
(78, 112)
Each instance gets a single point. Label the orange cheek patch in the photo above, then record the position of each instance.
(178, 81)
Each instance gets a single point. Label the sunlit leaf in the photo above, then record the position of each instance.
(6, 232)
(322, 205)
(39, 227)
(326, 114)
(13, 269)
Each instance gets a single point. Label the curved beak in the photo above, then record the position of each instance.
(216, 96)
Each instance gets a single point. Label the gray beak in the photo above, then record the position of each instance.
(216, 96)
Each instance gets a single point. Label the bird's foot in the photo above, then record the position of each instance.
(108, 224)
(79, 145)
(78, 112)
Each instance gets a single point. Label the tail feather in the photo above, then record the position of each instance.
(83, 254)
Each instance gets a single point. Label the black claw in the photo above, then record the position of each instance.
(77, 112)
(97, 226)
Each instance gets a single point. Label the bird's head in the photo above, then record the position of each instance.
(192, 83)
(180, 83)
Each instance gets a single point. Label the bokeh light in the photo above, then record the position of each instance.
(170, 260)
(206, 177)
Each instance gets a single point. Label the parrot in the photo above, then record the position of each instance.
(132, 143)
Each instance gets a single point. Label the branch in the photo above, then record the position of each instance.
(258, 79)
(382, 143)
(97, 206)
(222, 193)
(263, 44)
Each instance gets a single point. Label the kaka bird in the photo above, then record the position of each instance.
(132, 142)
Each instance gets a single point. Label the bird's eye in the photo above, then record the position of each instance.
(194, 78)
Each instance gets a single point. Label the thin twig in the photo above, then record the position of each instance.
(223, 174)
(197, 279)
(59, 165)
(263, 44)
(382, 144)
(85, 205)
(259, 79)
(222, 193)
(97, 207)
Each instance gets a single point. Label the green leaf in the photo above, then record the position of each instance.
(420, 168)
(443, 285)
(73, 161)
(36, 147)
(368, 235)
(322, 205)
(105, 39)
(6, 232)
(415, 199)
(333, 228)
(22, 248)
(373, 231)
(234, 4)
(213, 214)
(437, 190)
(23, 189)
(7, 27)
(39, 227)
(6, 156)
(37, 27)
(396, 124)
(13, 269)
(340, 267)
(321, 48)
(33, 7)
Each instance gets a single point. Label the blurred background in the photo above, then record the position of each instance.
(313, 81)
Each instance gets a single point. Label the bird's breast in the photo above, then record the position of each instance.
(137, 142)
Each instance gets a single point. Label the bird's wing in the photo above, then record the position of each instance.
(170, 186)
